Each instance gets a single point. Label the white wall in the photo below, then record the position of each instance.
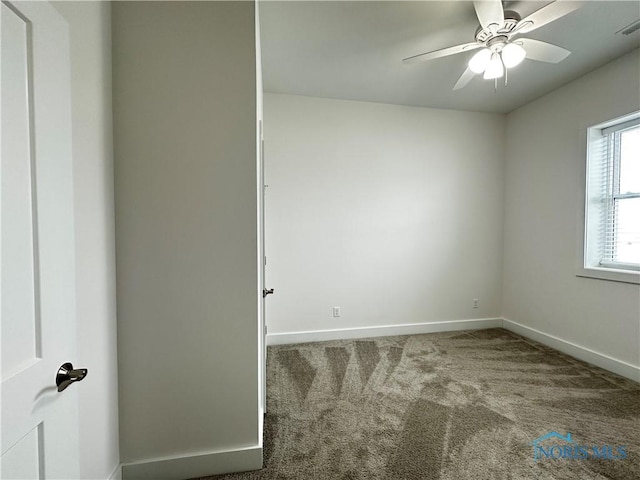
(392, 213)
(186, 228)
(94, 231)
(545, 167)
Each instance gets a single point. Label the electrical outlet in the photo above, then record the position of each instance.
(476, 303)
(336, 311)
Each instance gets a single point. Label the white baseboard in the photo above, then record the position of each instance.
(116, 474)
(201, 465)
(581, 353)
(381, 331)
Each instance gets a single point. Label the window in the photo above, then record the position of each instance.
(612, 225)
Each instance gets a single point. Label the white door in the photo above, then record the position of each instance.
(265, 292)
(39, 424)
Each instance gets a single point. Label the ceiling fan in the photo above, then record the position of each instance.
(499, 51)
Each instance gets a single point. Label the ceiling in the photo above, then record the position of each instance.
(353, 50)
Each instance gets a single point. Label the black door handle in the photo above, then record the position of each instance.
(67, 375)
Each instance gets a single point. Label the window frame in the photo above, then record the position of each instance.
(589, 248)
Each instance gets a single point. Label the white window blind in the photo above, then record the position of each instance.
(613, 195)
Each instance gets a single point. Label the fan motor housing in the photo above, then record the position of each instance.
(511, 19)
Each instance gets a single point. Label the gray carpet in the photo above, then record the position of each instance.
(455, 405)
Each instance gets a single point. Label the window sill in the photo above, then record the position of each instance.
(610, 274)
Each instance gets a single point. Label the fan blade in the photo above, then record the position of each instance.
(423, 57)
(465, 78)
(543, 51)
(489, 13)
(545, 15)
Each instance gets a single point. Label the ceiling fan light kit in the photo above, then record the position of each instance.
(494, 37)
(494, 69)
(491, 61)
(478, 63)
(512, 55)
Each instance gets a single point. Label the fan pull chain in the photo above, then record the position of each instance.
(495, 86)
(506, 76)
